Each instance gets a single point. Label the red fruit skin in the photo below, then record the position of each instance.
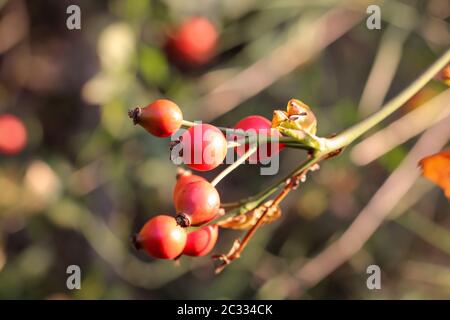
(13, 135)
(264, 125)
(202, 241)
(198, 202)
(161, 118)
(183, 180)
(161, 237)
(204, 147)
(193, 42)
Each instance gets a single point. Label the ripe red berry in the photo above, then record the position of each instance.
(193, 42)
(201, 241)
(198, 202)
(13, 135)
(204, 147)
(161, 237)
(162, 118)
(258, 125)
(183, 179)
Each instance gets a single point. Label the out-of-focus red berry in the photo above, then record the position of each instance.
(13, 134)
(193, 42)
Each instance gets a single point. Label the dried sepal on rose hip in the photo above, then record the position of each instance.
(200, 242)
(298, 116)
(161, 237)
(162, 118)
(196, 203)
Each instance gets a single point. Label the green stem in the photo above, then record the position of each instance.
(354, 132)
(256, 200)
(293, 142)
(233, 144)
(233, 166)
(187, 124)
(291, 145)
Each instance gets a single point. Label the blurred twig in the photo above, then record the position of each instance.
(351, 134)
(13, 25)
(112, 249)
(435, 32)
(383, 70)
(427, 230)
(283, 60)
(427, 273)
(402, 129)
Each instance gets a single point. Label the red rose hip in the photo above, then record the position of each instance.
(183, 178)
(161, 237)
(201, 241)
(161, 118)
(258, 125)
(196, 203)
(193, 42)
(204, 147)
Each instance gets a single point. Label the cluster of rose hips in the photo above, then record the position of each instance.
(196, 201)
(165, 236)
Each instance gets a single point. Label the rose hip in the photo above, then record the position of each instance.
(161, 118)
(201, 241)
(255, 124)
(161, 237)
(183, 178)
(204, 147)
(196, 203)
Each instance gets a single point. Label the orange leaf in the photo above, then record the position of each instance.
(437, 169)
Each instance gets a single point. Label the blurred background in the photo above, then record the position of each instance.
(77, 178)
